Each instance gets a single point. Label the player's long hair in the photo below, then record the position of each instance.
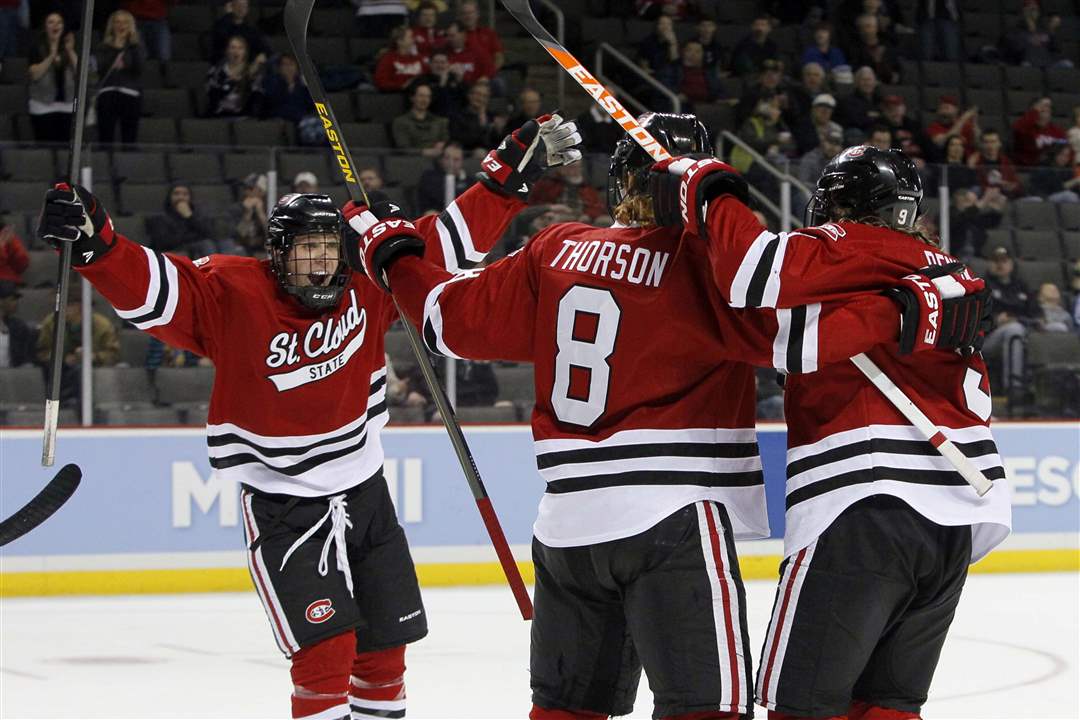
(636, 207)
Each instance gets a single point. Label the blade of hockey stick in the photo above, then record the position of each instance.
(523, 13)
(44, 504)
(297, 15)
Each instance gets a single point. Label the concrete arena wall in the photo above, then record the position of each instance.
(150, 516)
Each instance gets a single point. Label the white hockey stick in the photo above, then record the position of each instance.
(524, 15)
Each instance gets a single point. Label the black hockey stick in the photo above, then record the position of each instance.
(44, 504)
(56, 362)
(523, 13)
(297, 16)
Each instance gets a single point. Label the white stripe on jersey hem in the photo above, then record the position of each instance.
(433, 315)
(867, 461)
(335, 713)
(643, 436)
(653, 462)
(377, 704)
(973, 433)
(741, 283)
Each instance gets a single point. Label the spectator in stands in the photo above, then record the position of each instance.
(439, 185)
(17, 338)
(152, 19)
(1052, 315)
(468, 64)
(1013, 309)
(907, 133)
(1074, 132)
(957, 172)
(869, 49)
(993, 168)
(181, 228)
(813, 128)
(938, 22)
(1056, 179)
(813, 162)
(481, 39)
(418, 128)
(447, 92)
(235, 23)
(660, 48)
(426, 34)
(675, 9)
(103, 339)
(1034, 131)
(305, 182)
(376, 18)
(880, 136)
(286, 96)
(566, 185)
(13, 256)
(770, 85)
(765, 133)
(889, 19)
(599, 131)
(710, 44)
(952, 123)
(801, 97)
(823, 52)
(526, 108)
(475, 127)
(247, 218)
(52, 66)
(158, 354)
(1075, 285)
(401, 63)
(859, 109)
(9, 28)
(689, 78)
(1034, 40)
(970, 217)
(753, 50)
(399, 392)
(476, 384)
(234, 86)
(120, 63)
(372, 182)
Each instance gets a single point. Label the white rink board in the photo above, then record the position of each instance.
(1013, 652)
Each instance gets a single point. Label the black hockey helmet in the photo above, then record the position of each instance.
(678, 134)
(297, 215)
(863, 182)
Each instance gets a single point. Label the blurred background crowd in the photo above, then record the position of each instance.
(199, 120)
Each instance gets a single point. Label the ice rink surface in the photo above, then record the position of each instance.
(1013, 652)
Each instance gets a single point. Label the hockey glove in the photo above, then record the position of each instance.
(518, 162)
(942, 307)
(682, 187)
(77, 217)
(385, 235)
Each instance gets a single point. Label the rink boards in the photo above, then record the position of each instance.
(151, 517)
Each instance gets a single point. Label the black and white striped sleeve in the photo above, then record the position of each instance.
(162, 294)
(456, 240)
(795, 347)
(757, 279)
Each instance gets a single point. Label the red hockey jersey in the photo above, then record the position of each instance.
(299, 397)
(645, 400)
(846, 441)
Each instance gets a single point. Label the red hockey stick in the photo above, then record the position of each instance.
(524, 15)
(297, 15)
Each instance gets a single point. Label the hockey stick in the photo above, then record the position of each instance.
(56, 362)
(524, 15)
(297, 16)
(44, 504)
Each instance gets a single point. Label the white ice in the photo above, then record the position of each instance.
(1013, 652)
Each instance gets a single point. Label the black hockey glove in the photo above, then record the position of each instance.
(942, 307)
(519, 161)
(385, 234)
(76, 216)
(682, 187)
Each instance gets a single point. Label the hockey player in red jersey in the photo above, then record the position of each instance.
(297, 408)
(644, 432)
(879, 527)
